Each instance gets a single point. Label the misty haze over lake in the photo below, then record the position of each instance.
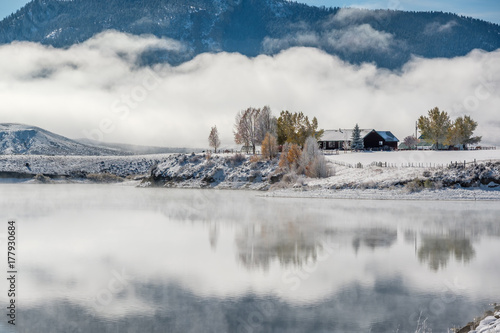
(115, 258)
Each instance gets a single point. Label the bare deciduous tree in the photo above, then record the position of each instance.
(246, 128)
(411, 142)
(267, 123)
(213, 138)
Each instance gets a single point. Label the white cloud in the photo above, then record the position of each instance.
(308, 39)
(437, 27)
(92, 88)
(350, 39)
(349, 16)
(360, 38)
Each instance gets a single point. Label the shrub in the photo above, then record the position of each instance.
(415, 185)
(300, 181)
(318, 168)
(236, 158)
(312, 163)
(289, 159)
(255, 159)
(42, 179)
(194, 158)
(254, 165)
(104, 178)
(289, 178)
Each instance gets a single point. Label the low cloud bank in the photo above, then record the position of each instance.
(97, 90)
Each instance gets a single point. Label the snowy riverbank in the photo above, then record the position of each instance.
(76, 167)
(388, 176)
(383, 180)
(489, 322)
(217, 171)
(455, 194)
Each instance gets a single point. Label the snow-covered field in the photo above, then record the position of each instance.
(416, 157)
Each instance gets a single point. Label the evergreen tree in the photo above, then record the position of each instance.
(357, 140)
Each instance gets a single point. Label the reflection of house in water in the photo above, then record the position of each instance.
(259, 245)
(437, 250)
(374, 238)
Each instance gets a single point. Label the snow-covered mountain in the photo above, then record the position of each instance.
(138, 149)
(388, 38)
(19, 139)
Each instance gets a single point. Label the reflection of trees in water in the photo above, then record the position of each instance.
(374, 238)
(298, 244)
(213, 235)
(437, 250)
(259, 245)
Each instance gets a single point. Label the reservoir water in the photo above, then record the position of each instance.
(107, 258)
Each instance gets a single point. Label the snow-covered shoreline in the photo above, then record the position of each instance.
(479, 180)
(489, 322)
(73, 167)
(447, 194)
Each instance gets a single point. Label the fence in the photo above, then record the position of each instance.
(484, 148)
(422, 165)
(233, 151)
(406, 165)
(349, 165)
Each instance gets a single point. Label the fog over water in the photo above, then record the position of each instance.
(104, 258)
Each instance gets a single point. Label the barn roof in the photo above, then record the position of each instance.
(342, 134)
(388, 136)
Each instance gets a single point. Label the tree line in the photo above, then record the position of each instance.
(259, 127)
(437, 128)
(290, 131)
(294, 134)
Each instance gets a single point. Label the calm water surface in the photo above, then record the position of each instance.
(122, 259)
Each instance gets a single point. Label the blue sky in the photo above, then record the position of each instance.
(488, 10)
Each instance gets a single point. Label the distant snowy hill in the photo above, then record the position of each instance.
(137, 149)
(19, 139)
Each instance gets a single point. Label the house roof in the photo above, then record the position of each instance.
(387, 136)
(342, 134)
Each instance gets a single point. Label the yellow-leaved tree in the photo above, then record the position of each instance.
(269, 147)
